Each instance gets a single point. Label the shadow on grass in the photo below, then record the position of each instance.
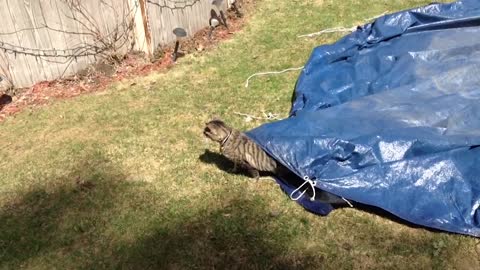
(71, 225)
(239, 236)
(244, 234)
(61, 217)
(385, 214)
(96, 219)
(224, 164)
(221, 162)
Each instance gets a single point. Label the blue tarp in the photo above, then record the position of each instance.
(389, 116)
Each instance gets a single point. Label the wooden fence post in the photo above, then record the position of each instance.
(143, 38)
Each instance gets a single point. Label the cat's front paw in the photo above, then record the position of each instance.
(254, 174)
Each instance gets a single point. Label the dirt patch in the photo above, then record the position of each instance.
(99, 76)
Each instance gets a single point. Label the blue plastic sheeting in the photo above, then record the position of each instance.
(389, 116)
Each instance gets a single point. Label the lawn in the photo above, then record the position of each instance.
(123, 179)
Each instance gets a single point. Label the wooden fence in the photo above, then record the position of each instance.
(47, 39)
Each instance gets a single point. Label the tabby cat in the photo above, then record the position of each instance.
(244, 152)
(240, 149)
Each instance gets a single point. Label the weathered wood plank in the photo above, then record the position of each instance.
(165, 15)
(19, 67)
(24, 21)
(55, 17)
(42, 41)
(83, 37)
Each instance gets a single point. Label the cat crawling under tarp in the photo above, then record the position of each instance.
(248, 155)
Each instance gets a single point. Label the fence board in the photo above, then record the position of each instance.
(20, 69)
(34, 11)
(165, 15)
(35, 33)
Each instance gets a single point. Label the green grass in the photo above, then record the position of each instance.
(161, 200)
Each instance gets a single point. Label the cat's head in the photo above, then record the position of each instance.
(216, 130)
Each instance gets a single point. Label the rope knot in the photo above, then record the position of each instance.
(308, 181)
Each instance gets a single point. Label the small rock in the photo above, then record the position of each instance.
(275, 213)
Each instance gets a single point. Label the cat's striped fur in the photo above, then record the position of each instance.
(245, 153)
(240, 149)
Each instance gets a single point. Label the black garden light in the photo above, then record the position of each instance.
(218, 4)
(214, 21)
(224, 19)
(233, 4)
(179, 33)
(4, 100)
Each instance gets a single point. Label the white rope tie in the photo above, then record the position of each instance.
(271, 72)
(341, 29)
(330, 30)
(312, 184)
(307, 181)
(267, 116)
(348, 202)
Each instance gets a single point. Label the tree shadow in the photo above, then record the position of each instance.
(78, 222)
(224, 164)
(245, 235)
(59, 217)
(74, 221)
(238, 236)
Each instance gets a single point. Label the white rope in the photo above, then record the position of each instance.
(330, 30)
(270, 116)
(271, 72)
(312, 185)
(347, 201)
(307, 181)
(341, 29)
(267, 116)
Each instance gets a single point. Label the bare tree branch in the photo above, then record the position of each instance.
(103, 44)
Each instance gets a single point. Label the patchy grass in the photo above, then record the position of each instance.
(121, 179)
